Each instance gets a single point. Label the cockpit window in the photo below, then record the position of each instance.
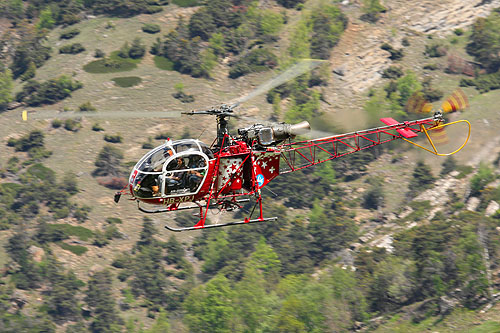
(175, 168)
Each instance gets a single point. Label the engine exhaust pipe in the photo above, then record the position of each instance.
(285, 131)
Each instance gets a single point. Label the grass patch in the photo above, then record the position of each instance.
(112, 64)
(164, 63)
(76, 249)
(464, 170)
(82, 233)
(186, 3)
(487, 327)
(127, 81)
(108, 66)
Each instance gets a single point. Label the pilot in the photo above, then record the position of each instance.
(175, 179)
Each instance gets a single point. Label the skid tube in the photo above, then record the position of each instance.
(222, 225)
(167, 210)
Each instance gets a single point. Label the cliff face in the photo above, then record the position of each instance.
(358, 61)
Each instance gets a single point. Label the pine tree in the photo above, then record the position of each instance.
(102, 303)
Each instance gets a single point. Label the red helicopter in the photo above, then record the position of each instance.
(189, 174)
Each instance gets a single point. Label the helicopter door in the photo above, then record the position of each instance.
(183, 174)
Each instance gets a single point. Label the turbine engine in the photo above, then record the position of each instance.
(268, 135)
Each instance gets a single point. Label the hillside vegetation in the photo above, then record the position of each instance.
(384, 240)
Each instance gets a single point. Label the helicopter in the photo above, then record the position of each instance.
(189, 174)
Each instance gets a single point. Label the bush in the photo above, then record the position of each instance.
(71, 48)
(68, 34)
(117, 138)
(72, 125)
(99, 53)
(151, 28)
(257, 60)
(114, 183)
(48, 92)
(56, 123)
(87, 106)
(290, 3)
(97, 127)
(108, 162)
(393, 72)
(395, 54)
(372, 10)
(431, 67)
(435, 50)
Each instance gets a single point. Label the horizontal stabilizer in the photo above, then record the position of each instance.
(407, 133)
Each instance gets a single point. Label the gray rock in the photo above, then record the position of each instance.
(492, 208)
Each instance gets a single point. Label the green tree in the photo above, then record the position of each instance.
(372, 10)
(6, 86)
(108, 162)
(479, 181)
(210, 307)
(61, 299)
(137, 49)
(422, 179)
(485, 41)
(161, 324)
(46, 19)
(101, 301)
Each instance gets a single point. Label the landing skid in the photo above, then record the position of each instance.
(221, 225)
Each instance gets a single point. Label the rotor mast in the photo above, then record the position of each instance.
(222, 112)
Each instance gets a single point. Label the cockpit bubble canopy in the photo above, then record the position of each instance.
(153, 161)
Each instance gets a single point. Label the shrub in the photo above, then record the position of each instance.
(137, 49)
(467, 82)
(87, 106)
(435, 50)
(151, 28)
(431, 67)
(97, 128)
(255, 61)
(395, 54)
(99, 53)
(71, 48)
(117, 138)
(72, 125)
(187, 3)
(114, 183)
(108, 162)
(114, 220)
(290, 3)
(68, 34)
(48, 92)
(372, 10)
(56, 123)
(393, 72)
(459, 31)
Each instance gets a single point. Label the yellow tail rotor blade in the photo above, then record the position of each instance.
(455, 102)
(418, 104)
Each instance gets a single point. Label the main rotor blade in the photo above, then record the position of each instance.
(54, 114)
(298, 69)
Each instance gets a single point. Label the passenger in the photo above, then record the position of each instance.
(195, 176)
